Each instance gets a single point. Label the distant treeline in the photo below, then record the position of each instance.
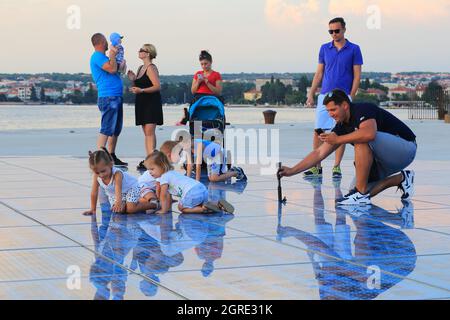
(85, 77)
(177, 89)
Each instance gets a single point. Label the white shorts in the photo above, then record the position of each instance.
(323, 119)
(195, 197)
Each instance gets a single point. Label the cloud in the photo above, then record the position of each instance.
(416, 9)
(340, 7)
(294, 12)
(404, 10)
(282, 12)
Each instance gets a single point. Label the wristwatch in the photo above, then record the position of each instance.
(142, 90)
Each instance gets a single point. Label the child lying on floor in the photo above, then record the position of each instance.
(211, 152)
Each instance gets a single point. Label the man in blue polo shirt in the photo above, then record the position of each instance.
(110, 94)
(339, 67)
(384, 147)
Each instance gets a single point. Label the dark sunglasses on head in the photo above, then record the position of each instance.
(142, 50)
(338, 95)
(337, 31)
(329, 95)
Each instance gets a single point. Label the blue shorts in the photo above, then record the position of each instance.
(391, 154)
(195, 197)
(111, 109)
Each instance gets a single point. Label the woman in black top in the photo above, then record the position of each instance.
(148, 106)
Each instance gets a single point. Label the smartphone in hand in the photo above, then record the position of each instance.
(319, 131)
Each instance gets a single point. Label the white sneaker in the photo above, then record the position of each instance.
(354, 198)
(407, 185)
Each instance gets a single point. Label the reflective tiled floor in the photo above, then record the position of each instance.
(306, 249)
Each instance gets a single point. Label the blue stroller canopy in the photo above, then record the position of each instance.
(207, 108)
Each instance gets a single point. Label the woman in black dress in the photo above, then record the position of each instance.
(148, 106)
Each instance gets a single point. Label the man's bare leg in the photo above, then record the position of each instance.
(101, 141)
(392, 181)
(363, 163)
(339, 155)
(112, 144)
(339, 152)
(316, 144)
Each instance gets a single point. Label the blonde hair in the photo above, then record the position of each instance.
(160, 159)
(151, 50)
(100, 156)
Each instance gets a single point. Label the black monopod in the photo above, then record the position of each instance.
(281, 201)
(280, 192)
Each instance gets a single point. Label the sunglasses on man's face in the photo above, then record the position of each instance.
(337, 31)
(142, 50)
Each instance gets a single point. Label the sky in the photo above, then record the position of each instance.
(242, 35)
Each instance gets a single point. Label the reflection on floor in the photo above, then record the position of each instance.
(304, 249)
(340, 273)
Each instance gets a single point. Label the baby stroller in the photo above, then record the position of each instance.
(207, 115)
(211, 112)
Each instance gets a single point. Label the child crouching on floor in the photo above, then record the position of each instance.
(216, 162)
(147, 186)
(121, 188)
(209, 151)
(193, 195)
(176, 152)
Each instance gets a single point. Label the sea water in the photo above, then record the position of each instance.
(19, 117)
